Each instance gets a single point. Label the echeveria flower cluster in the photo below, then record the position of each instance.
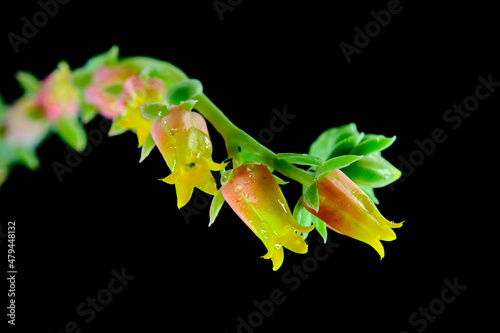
(156, 101)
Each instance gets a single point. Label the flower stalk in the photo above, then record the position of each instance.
(166, 109)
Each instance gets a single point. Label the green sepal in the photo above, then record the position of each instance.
(217, 202)
(320, 227)
(311, 197)
(28, 82)
(336, 163)
(189, 104)
(147, 147)
(115, 129)
(372, 171)
(302, 216)
(88, 111)
(154, 110)
(71, 131)
(371, 193)
(245, 156)
(183, 91)
(27, 157)
(300, 159)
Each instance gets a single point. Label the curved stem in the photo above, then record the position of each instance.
(236, 138)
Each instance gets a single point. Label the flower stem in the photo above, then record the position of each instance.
(236, 139)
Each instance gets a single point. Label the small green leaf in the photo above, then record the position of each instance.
(372, 171)
(372, 143)
(346, 146)
(28, 82)
(327, 141)
(108, 58)
(27, 157)
(154, 110)
(183, 91)
(147, 147)
(311, 197)
(280, 181)
(71, 131)
(217, 202)
(336, 163)
(300, 159)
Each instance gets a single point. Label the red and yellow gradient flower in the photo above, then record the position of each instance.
(106, 88)
(183, 140)
(58, 96)
(256, 197)
(346, 209)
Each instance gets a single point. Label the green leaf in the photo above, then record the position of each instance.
(154, 110)
(372, 171)
(183, 91)
(346, 146)
(311, 197)
(71, 131)
(336, 163)
(147, 147)
(300, 159)
(327, 141)
(27, 81)
(280, 181)
(217, 202)
(373, 143)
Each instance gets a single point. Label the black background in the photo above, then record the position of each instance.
(112, 212)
